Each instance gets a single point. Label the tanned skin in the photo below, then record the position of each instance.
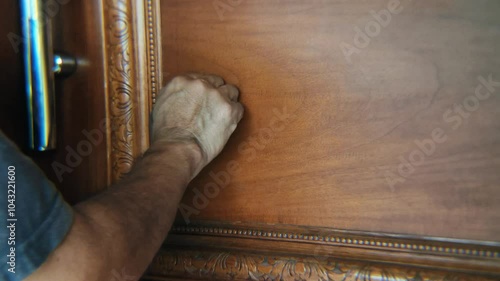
(120, 230)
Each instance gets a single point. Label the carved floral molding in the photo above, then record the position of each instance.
(131, 34)
(224, 251)
(226, 265)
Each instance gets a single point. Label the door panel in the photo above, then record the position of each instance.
(82, 102)
(316, 182)
(80, 99)
(360, 106)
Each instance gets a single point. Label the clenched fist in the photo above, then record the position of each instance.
(199, 108)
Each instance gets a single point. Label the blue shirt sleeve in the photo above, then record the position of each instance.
(33, 214)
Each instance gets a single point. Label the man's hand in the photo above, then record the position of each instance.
(122, 228)
(199, 108)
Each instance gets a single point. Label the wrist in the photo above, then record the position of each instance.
(177, 152)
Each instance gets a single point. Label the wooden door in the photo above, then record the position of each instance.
(371, 116)
(371, 133)
(94, 121)
(78, 170)
(369, 147)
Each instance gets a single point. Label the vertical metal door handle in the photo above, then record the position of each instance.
(40, 66)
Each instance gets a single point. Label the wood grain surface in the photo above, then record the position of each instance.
(355, 111)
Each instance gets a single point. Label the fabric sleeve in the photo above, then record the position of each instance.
(34, 215)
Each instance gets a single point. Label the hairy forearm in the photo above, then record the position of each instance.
(120, 230)
(135, 215)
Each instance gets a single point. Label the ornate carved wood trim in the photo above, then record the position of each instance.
(219, 251)
(232, 265)
(132, 70)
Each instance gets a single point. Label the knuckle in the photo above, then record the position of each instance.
(199, 84)
(213, 92)
(218, 80)
(221, 90)
(179, 80)
(235, 90)
(226, 109)
(239, 108)
(240, 111)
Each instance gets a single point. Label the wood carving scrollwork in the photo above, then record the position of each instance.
(244, 266)
(130, 92)
(222, 251)
(121, 85)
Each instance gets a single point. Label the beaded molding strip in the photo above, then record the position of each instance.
(341, 238)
